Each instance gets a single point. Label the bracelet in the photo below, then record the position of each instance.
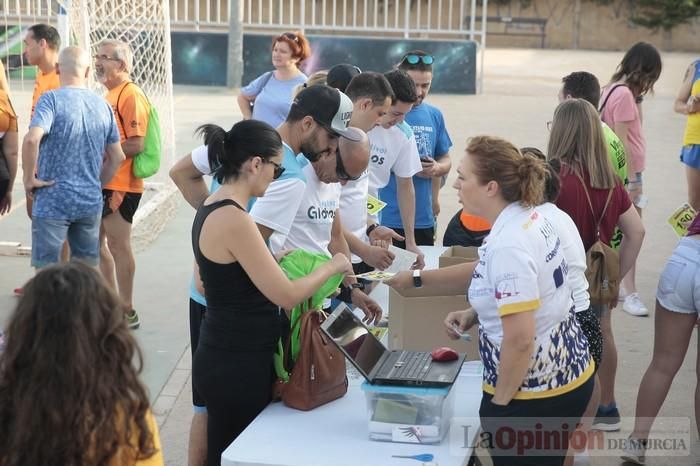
(371, 228)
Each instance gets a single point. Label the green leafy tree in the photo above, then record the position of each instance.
(665, 14)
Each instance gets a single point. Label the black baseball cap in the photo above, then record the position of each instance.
(340, 76)
(329, 107)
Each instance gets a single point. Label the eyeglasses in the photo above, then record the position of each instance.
(340, 169)
(413, 59)
(279, 169)
(105, 57)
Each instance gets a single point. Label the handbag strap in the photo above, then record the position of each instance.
(608, 96)
(588, 198)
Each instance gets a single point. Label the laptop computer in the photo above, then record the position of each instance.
(379, 365)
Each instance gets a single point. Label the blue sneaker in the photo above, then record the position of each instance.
(607, 419)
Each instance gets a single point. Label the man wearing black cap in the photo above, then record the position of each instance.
(340, 76)
(318, 117)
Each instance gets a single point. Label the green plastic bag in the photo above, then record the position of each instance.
(147, 162)
(297, 264)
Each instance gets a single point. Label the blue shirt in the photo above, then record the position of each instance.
(432, 140)
(272, 99)
(78, 125)
(278, 196)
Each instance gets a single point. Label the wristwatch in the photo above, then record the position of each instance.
(357, 285)
(417, 281)
(371, 228)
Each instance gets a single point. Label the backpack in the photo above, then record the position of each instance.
(602, 261)
(147, 162)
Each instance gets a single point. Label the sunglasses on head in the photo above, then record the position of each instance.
(291, 36)
(340, 169)
(279, 169)
(414, 59)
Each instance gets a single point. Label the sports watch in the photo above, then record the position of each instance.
(417, 281)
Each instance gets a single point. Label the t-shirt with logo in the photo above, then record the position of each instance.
(616, 151)
(432, 140)
(574, 253)
(78, 126)
(353, 208)
(311, 229)
(275, 210)
(621, 107)
(393, 151)
(44, 82)
(522, 268)
(132, 119)
(272, 99)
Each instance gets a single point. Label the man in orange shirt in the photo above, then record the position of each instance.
(122, 194)
(41, 47)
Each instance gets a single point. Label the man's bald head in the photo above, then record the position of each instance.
(354, 154)
(73, 64)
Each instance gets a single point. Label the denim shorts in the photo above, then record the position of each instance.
(679, 284)
(690, 155)
(48, 235)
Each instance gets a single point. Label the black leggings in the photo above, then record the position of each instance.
(510, 432)
(236, 387)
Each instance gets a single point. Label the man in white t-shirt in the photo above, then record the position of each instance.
(317, 225)
(371, 96)
(394, 151)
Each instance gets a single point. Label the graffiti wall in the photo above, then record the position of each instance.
(201, 58)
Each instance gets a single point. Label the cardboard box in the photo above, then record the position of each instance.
(458, 255)
(416, 321)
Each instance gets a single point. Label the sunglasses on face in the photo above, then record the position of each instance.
(340, 169)
(279, 169)
(413, 59)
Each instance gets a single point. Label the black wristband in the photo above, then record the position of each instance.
(371, 228)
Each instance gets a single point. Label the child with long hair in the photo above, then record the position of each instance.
(69, 390)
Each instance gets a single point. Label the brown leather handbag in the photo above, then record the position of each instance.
(318, 376)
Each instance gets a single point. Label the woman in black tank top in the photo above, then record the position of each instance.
(243, 285)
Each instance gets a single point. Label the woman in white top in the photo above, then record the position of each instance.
(271, 93)
(537, 368)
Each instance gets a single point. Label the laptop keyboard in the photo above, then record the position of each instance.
(411, 366)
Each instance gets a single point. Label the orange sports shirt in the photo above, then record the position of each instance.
(8, 118)
(133, 112)
(474, 223)
(44, 82)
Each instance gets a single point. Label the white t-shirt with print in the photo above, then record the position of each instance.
(392, 150)
(574, 253)
(353, 208)
(522, 268)
(311, 228)
(277, 207)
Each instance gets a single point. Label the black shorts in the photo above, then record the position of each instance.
(589, 321)
(424, 237)
(125, 203)
(197, 312)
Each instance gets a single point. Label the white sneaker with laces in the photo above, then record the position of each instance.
(634, 451)
(633, 305)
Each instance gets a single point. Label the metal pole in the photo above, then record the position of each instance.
(234, 69)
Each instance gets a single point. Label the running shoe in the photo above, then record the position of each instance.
(607, 420)
(132, 320)
(634, 451)
(633, 305)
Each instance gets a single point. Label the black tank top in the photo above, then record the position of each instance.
(238, 317)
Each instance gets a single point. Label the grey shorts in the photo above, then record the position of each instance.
(679, 284)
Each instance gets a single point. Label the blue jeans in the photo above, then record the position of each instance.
(48, 235)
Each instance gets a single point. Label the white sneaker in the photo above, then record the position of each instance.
(634, 306)
(634, 451)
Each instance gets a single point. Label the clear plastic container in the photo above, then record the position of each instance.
(408, 414)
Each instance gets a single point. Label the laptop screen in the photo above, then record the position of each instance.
(355, 340)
